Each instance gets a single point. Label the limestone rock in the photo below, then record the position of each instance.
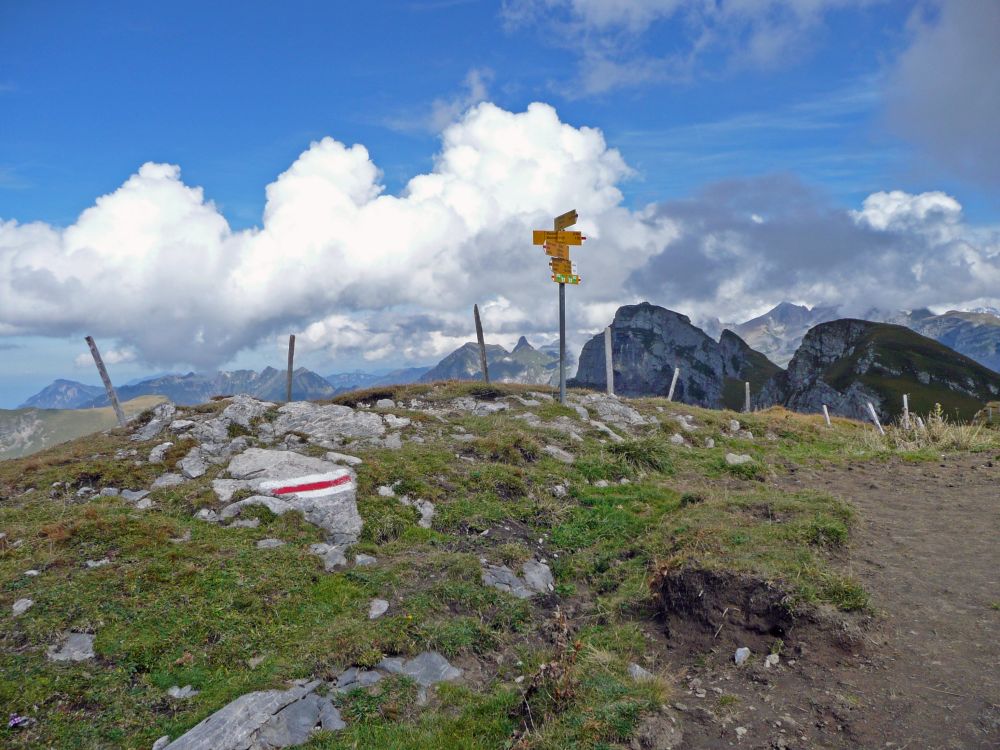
(74, 647)
(263, 720)
(363, 561)
(537, 579)
(180, 693)
(639, 674)
(332, 555)
(738, 459)
(193, 465)
(158, 453)
(327, 423)
(559, 454)
(334, 509)
(353, 678)
(162, 416)
(343, 458)
(377, 608)
(21, 606)
(429, 668)
(243, 410)
(168, 480)
(270, 544)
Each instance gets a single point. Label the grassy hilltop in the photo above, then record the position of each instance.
(624, 527)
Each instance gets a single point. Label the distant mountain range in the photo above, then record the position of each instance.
(64, 394)
(779, 332)
(523, 364)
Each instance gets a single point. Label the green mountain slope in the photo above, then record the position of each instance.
(27, 431)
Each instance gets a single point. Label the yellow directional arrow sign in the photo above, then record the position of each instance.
(540, 237)
(559, 265)
(567, 219)
(557, 250)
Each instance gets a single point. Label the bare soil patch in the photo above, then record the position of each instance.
(922, 672)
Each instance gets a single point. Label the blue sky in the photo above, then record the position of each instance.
(234, 93)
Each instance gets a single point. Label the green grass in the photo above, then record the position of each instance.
(196, 612)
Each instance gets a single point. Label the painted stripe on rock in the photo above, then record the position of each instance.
(310, 485)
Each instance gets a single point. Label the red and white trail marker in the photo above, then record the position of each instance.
(310, 485)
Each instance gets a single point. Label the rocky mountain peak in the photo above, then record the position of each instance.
(522, 343)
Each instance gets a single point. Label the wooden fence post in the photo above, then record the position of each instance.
(608, 363)
(482, 344)
(673, 383)
(874, 416)
(291, 366)
(746, 398)
(826, 416)
(112, 395)
(906, 411)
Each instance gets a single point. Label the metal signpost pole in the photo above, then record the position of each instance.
(562, 343)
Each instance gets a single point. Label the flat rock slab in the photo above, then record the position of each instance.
(738, 459)
(327, 423)
(74, 647)
(163, 415)
(243, 410)
(537, 579)
(324, 492)
(353, 678)
(559, 454)
(427, 669)
(263, 720)
(610, 409)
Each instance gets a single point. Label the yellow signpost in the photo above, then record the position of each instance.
(540, 237)
(556, 244)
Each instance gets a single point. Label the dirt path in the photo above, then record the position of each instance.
(928, 549)
(926, 676)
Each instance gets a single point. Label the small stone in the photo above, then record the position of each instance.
(385, 403)
(386, 491)
(740, 732)
(110, 492)
(677, 439)
(559, 491)
(738, 459)
(559, 454)
(602, 483)
(84, 492)
(179, 425)
(734, 425)
(144, 504)
(21, 606)
(270, 544)
(185, 537)
(158, 453)
(353, 678)
(396, 423)
(639, 674)
(98, 563)
(161, 743)
(429, 668)
(32, 573)
(182, 692)
(207, 514)
(709, 443)
(537, 576)
(393, 441)
(771, 660)
(742, 654)
(168, 480)
(333, 556)
(134, 496)
(343, 458)
(364, 560)
(624, 480)
(377, 608)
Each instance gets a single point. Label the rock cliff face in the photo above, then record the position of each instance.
(649, 341)
(847, 363)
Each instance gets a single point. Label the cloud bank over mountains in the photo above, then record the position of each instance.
(356, 271)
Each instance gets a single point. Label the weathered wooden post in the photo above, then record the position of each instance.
(112, 395)
(291, 365)
(609, 369)
(874, 416)
(482, 344)
(673, 383)
(826, 416)
(906, 411)
(746, 397)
